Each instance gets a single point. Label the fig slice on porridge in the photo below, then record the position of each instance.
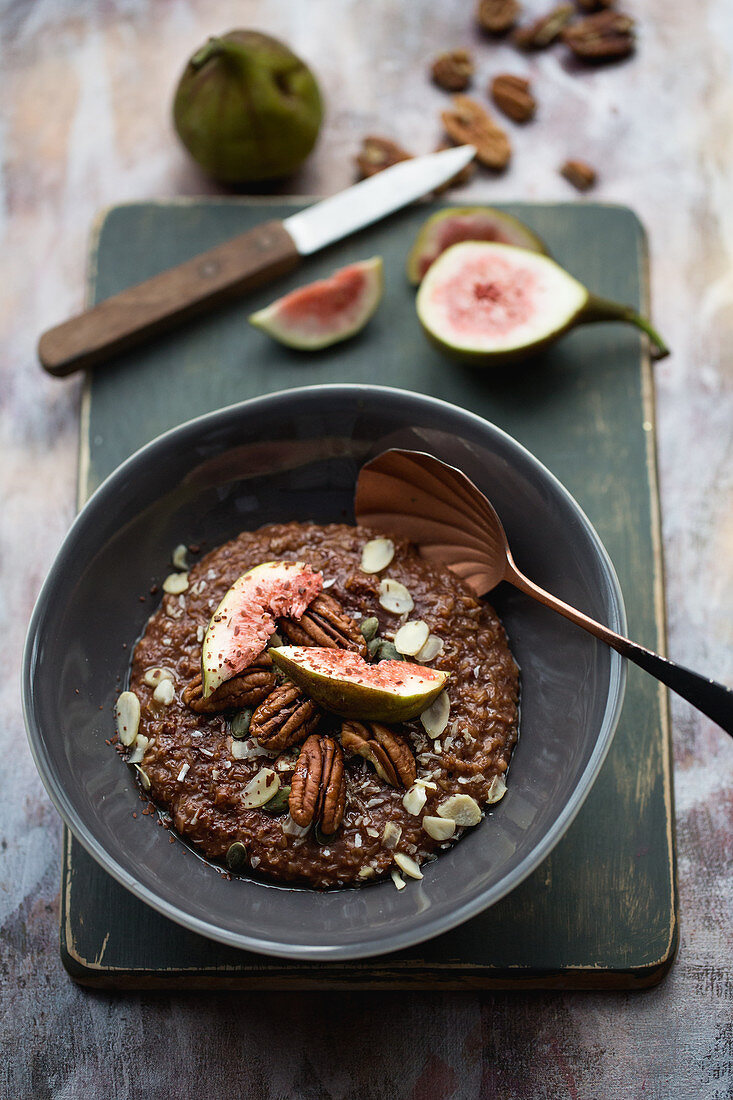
(343, 682)
(245, 619)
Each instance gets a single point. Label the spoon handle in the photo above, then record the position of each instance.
(713, 699)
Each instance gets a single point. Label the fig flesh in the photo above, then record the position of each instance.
(243, 622)
(247, 108)
(327, 311)
(491, 303)
(344, 683)
(466, 223)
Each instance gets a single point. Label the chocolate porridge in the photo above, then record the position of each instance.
(258, 777)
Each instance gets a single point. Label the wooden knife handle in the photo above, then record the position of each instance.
(174, 295)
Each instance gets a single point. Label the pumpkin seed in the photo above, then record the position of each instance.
(240, 724)
(369, 628)
(373, 646)
(387, 651)
(236, 857)
(278, 804)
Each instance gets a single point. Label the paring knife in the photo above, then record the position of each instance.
(237, 266)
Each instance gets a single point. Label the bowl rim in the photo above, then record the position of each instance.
(369, 947)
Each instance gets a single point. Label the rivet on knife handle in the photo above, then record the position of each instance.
(141, 311)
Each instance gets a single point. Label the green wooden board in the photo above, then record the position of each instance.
(601, 911)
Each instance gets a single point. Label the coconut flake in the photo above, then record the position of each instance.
(330, 583)
(183, 772)
(391, 835)
(200, 632)
(376, 555)
(394, 597)
(435, 718)
(357, 840)
(411, 637)
(127, 717)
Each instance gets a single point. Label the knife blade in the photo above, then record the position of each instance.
(232, 269)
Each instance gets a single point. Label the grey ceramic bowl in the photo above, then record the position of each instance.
(295, 456)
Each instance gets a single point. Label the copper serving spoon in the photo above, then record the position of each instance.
(413, 495)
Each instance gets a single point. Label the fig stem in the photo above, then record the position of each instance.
(209, 49)
(601, 309)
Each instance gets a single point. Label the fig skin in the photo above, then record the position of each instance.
(246, 108)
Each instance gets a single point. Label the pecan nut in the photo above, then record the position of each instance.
(544, 31)
(580, 174)
(497, 16)
(286, 717)
(606, 36)
(318, 787)
(469, 124)
(388, 752)
(244, 690)
(378, 153)
(461, 178)
(325, 624)
(511, 95)
(453, 70)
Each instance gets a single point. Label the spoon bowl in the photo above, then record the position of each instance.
(413, 495)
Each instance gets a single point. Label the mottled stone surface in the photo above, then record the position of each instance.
(86, 91)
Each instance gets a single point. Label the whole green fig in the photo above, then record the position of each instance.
(247, 108)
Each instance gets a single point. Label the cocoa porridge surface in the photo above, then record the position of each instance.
(205, 804)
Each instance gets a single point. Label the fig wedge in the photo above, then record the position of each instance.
(244, 620)
(491, 303)
(327, 311)
(343, 682)
(466, 223)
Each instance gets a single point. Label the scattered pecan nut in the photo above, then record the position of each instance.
(544, 31)
(497, 16)
(318, 787)
(511, 95)
(244, 690)
(467, 123)
(607, 36)
(286, 717)
(388, 752)
(580, 174)
(453, 70)
(377, 153)
(325, 624)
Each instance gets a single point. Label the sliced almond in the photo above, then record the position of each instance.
(368, 872)
(407, 865)
(175, 583)
(260, 788)
(141, 743)
(411, 637)
(179, 557)
(397, 878)
(376, 555)
(144, 778)
(428, 783)
(462, 809)
(394, 597)
(432, 649)
(164, 693)
(497, 789)
(435, 718)
(391, 835)
(415, 799)
(439, 828)
(153, 676)
(127, 716)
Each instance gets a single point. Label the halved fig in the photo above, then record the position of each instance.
(343, 682)
(244, 620)
(466, 223)
(492, 303)
(324, 312)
